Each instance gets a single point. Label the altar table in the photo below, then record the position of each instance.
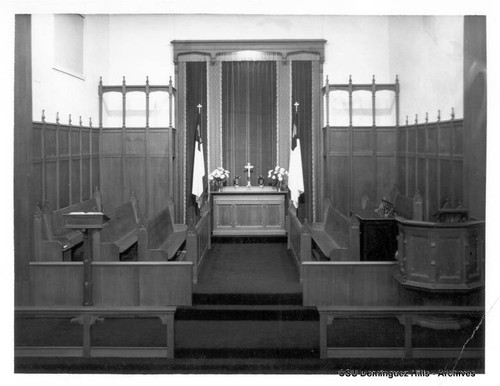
(248, 211)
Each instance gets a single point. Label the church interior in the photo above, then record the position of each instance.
(249, 193)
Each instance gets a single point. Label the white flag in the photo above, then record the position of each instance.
(295, 176)
(198, 165)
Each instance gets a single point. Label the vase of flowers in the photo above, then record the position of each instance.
(217, 177)
(278, 176)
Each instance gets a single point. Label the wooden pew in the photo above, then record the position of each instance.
(336, 236)
(398, 205)
(53, 242)
(159, 238)
(120, 233)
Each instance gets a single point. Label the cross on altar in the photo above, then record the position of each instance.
(248, 169)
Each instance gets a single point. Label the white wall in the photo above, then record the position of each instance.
(55, 91)
(427, 53)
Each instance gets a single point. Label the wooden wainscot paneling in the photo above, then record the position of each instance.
(142, 283)
(349, 284)
(115, 284)
(56, 283)
(166, 284)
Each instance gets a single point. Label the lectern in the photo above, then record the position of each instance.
(88, 223)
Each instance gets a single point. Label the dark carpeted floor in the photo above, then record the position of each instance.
(248, 268)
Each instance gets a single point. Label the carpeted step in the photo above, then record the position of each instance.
(248, 299)
(224, 338)
(234, 312)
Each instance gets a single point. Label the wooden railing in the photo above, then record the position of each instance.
(349, 283)
(119, 289)
(87, 317)
(369, 290)
(406, 316)
(198, 241)
(115, 284)
(299, 238)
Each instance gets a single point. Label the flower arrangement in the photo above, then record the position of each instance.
(219, 174)
(278, 174)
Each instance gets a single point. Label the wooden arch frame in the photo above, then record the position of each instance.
(283, 52)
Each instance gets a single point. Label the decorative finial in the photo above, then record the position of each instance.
(350, 79)
(416, 118)
(407, 120)
(123, 82)
(199, 108)
(100, 80)
(147, 80)
(327, 81)
(43, 115)
(426, 117)
(397, 78)
(296, 104)
(57, 117)
(170, 80)
(90, 121)
(69, 119)
(439, 115)
(80, 120)
(373, 79)
(452, 113)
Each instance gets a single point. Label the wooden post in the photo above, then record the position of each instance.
(70, 145)
(327, 102)
(408, 336)
(124, 149)
(192, 252)
(86, 334)
(415, 156)
(452, 162)
(147, 188)
(374, 141)
(350, 178)
(438, 160)
(81, 158)
(407, 130)
(87, 267)
(323, 329)
(171, 334)
(58, 167)
(44, 164)
(427, 171)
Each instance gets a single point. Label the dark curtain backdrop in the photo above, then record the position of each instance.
(249, 118)
(302, 93)
(196, 93)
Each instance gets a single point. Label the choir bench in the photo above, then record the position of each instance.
(335, 237)
(53, 242)
(159, 238)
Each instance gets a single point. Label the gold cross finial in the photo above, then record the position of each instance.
(199, 107)
(296, 104)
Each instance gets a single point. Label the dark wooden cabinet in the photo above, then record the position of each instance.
(378, 236)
